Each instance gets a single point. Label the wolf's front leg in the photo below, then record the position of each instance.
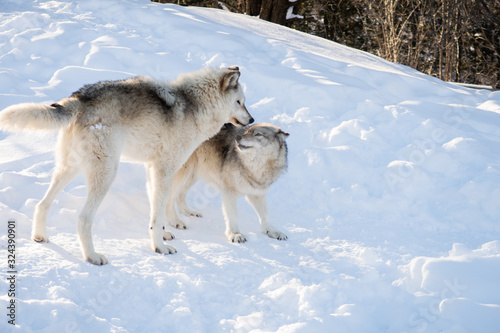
(159, 183)
(230, 210)
(259, 203)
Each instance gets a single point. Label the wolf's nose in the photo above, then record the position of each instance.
(251, 120)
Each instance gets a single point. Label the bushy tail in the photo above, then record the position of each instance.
(32, 116)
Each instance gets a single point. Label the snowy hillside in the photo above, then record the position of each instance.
(391, 202)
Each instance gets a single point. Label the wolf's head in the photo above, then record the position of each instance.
(231, 88)
(262, 138)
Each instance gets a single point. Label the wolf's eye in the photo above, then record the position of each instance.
(258, 134)
(239, 103)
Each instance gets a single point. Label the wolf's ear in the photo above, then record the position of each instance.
(230, 78)
(284, 134)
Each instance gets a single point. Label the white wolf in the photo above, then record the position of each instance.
(237, 161)
(146, 120)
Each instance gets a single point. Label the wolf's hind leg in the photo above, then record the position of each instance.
(189, 181)
(101, 152)
(230, 210)
(172, 217)
(100, 172)
(65, 171)
(160, 178)
(183, 180)
(62, 176)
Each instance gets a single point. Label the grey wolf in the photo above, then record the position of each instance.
(237, 161)
(142, 119)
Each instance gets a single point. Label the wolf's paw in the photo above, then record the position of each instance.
(167, 235)
(40, 238)
(187, 212)
(178, 224)
(165, 249)
(276, 234)
(192, 213)
(97, 259)
(237, 238)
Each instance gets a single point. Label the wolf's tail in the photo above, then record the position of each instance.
(32, 116)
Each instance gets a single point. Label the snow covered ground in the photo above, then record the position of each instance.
(391, 201)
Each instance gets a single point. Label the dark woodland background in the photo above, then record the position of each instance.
(454, 40)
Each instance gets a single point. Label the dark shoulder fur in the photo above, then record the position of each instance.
(225, 140)
(223, 143)
(94, 90)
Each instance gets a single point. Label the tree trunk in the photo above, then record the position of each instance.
(274, 11)
(253, 7)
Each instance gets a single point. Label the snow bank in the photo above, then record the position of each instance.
(390, 201)
(457, 288)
